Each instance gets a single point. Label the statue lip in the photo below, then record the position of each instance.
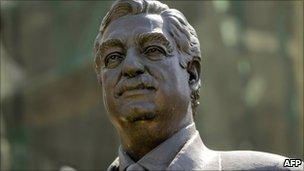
(138, 90)
(141, 117)
(132, 85)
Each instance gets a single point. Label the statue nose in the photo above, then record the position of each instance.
(132, 65)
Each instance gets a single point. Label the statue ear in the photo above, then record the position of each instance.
(194, 70)
(99, 79)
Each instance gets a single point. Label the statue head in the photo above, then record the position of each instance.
(147, 60)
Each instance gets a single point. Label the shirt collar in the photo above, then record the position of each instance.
(161, 156)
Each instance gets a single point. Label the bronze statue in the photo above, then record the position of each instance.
(147, 60)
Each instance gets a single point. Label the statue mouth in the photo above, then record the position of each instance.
(135, 86)
(136, 90)
(141, 117)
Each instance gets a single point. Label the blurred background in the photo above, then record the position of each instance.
(52, 110)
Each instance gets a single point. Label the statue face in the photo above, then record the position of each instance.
(146, 91)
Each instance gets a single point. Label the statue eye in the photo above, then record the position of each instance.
(154, 50)
(113, 60)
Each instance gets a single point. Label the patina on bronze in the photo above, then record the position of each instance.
(147, 60)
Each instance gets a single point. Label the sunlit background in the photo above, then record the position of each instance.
(52, 111)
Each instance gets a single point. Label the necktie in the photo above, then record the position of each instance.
(135, 167)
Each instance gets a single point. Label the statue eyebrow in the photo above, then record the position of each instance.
(146, 38)
(110, 43)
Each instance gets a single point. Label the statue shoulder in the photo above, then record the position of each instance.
(251, 160)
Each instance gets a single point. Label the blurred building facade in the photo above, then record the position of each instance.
(52, 111)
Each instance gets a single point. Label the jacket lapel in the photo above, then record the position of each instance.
(114, 166)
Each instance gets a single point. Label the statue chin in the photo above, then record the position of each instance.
(138, 111)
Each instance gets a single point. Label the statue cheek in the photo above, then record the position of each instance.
(105, 76)
(158, 71)
(108, 79)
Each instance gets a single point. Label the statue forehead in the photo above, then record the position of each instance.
(131, 26)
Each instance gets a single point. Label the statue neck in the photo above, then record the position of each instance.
(138, 145)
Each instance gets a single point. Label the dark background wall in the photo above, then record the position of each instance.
(52, 110)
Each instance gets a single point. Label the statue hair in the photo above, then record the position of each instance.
(177, 25)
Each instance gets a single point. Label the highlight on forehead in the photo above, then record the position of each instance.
(122, 8)
(145, 38)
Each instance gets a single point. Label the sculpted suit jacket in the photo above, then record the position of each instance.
(192, 154)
